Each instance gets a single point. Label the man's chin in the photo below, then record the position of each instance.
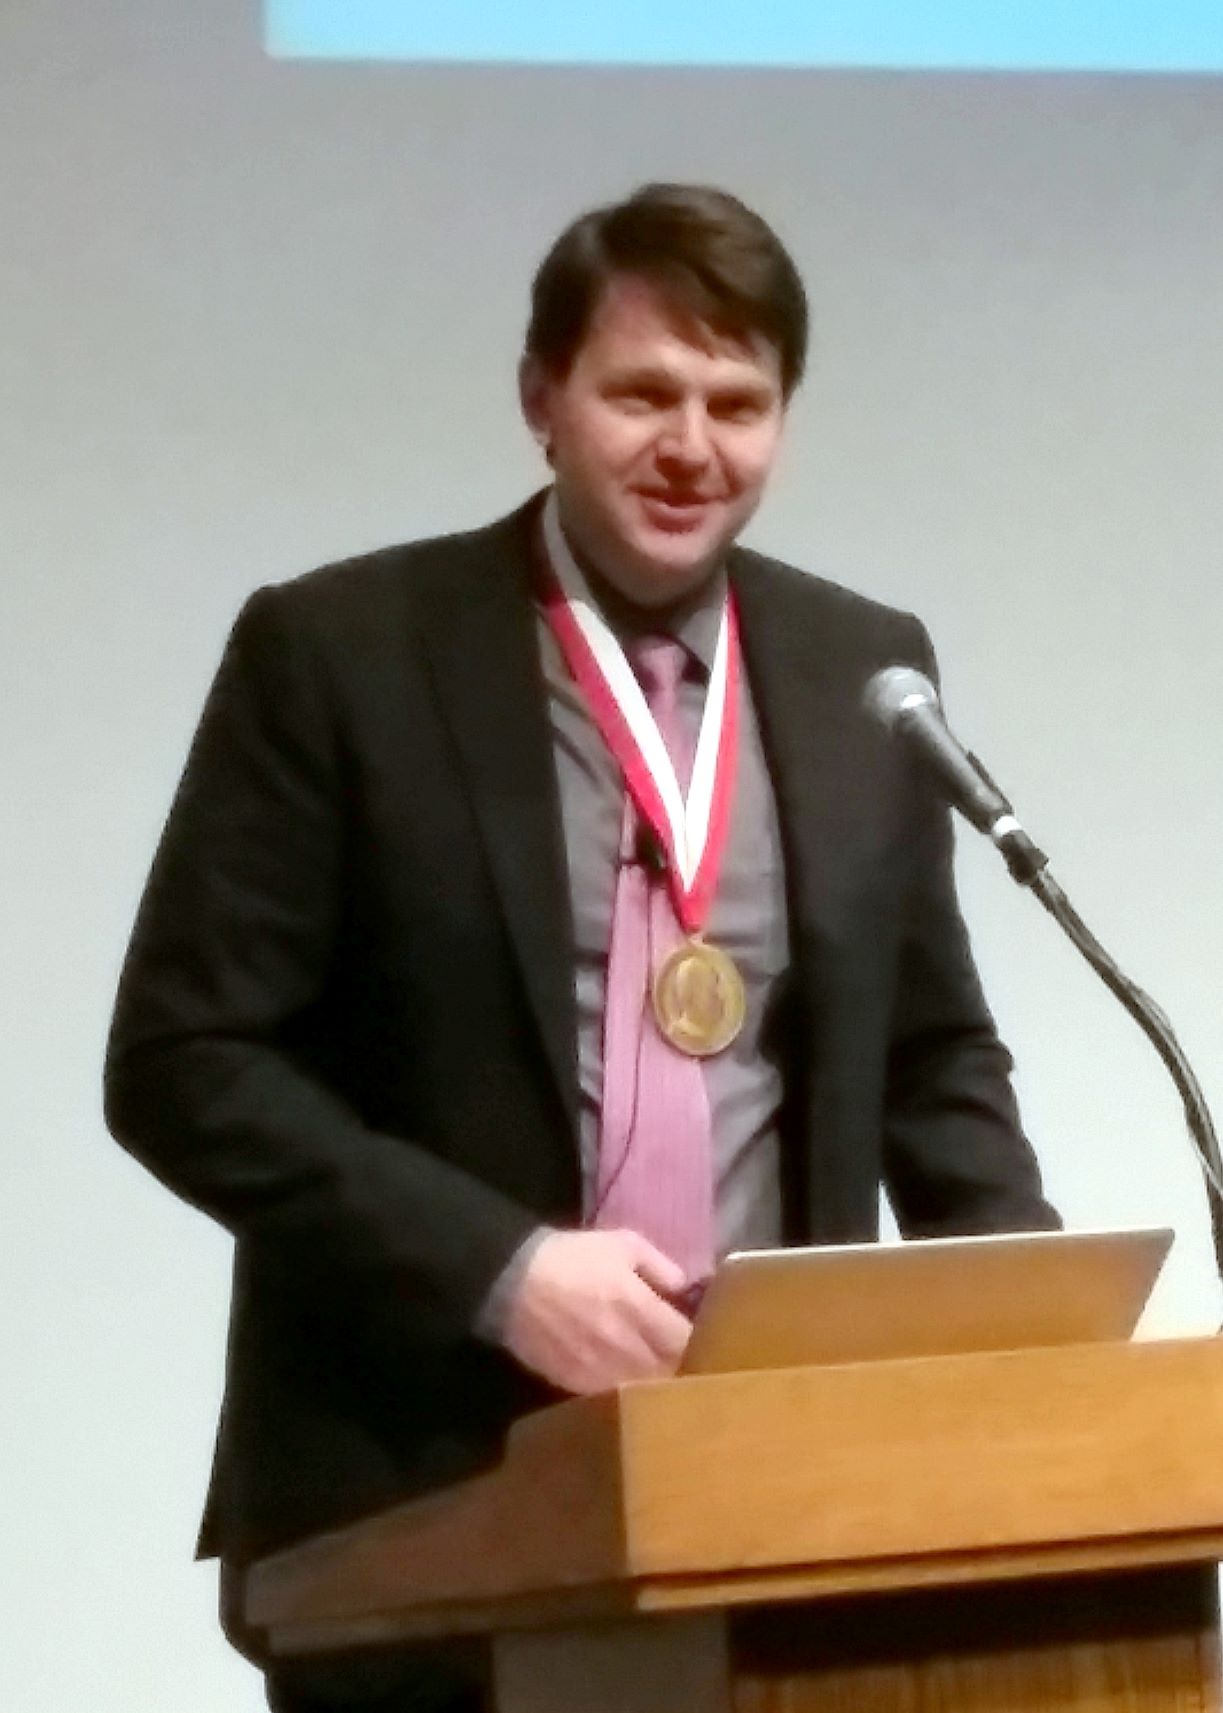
(658, 579)
(655, 567)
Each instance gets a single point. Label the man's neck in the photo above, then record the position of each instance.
(695, 618)
(633, 618)
(694, 611)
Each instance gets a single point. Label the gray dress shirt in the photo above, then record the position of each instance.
(747, 920)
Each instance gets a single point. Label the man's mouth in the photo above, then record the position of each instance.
(674, 510)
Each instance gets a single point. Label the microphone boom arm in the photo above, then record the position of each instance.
(1029, 866)
(1156, 1027)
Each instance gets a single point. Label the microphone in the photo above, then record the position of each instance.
(905, 701)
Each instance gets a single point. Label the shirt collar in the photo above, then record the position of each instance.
(693, 621)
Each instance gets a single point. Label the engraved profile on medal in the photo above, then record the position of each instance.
(699, 1001)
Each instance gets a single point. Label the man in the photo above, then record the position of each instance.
(483, 1057)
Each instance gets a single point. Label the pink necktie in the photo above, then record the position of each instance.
(655, 1169)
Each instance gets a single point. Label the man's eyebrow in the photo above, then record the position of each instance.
(755, 386)
(659, 374)
(641, 370)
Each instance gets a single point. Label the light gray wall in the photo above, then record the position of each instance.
(253, 315)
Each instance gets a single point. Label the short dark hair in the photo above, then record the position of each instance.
(704, 251)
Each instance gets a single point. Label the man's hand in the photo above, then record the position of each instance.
(587, 1314)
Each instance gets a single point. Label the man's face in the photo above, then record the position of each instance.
(661, 437)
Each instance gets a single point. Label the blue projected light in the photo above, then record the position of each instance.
(1041, 35)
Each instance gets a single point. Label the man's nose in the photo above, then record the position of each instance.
(685, 438)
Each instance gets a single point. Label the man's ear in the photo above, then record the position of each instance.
(534, 395)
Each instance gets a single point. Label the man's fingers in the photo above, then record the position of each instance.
(638, 1356)
(658, 1270)
(659, 1322)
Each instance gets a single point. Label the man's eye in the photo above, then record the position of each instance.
(641, 398)
(743, 409)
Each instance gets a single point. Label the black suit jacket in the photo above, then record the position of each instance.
(346, 1027)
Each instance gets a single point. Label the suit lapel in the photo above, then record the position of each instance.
(481, 641)
(811, 727)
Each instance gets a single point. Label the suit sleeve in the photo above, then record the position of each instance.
(231, 948)
(955, 1156)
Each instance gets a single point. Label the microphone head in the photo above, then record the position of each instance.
(895, 691)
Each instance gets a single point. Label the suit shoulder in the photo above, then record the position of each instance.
(368, 596)
(831, 608)
(405, 571)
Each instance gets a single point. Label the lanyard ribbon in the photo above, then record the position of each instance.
(692, 832)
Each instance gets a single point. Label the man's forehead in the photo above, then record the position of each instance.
(632, 308)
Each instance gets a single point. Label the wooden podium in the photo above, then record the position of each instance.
(1033, 1528)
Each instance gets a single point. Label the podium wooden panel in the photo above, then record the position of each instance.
(1030, 1528)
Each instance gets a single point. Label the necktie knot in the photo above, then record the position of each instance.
(659, 663)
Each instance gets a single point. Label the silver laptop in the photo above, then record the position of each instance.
(785, 1308)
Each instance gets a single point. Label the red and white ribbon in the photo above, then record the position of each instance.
(691, 831)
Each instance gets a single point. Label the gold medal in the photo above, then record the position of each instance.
(699, 1001)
